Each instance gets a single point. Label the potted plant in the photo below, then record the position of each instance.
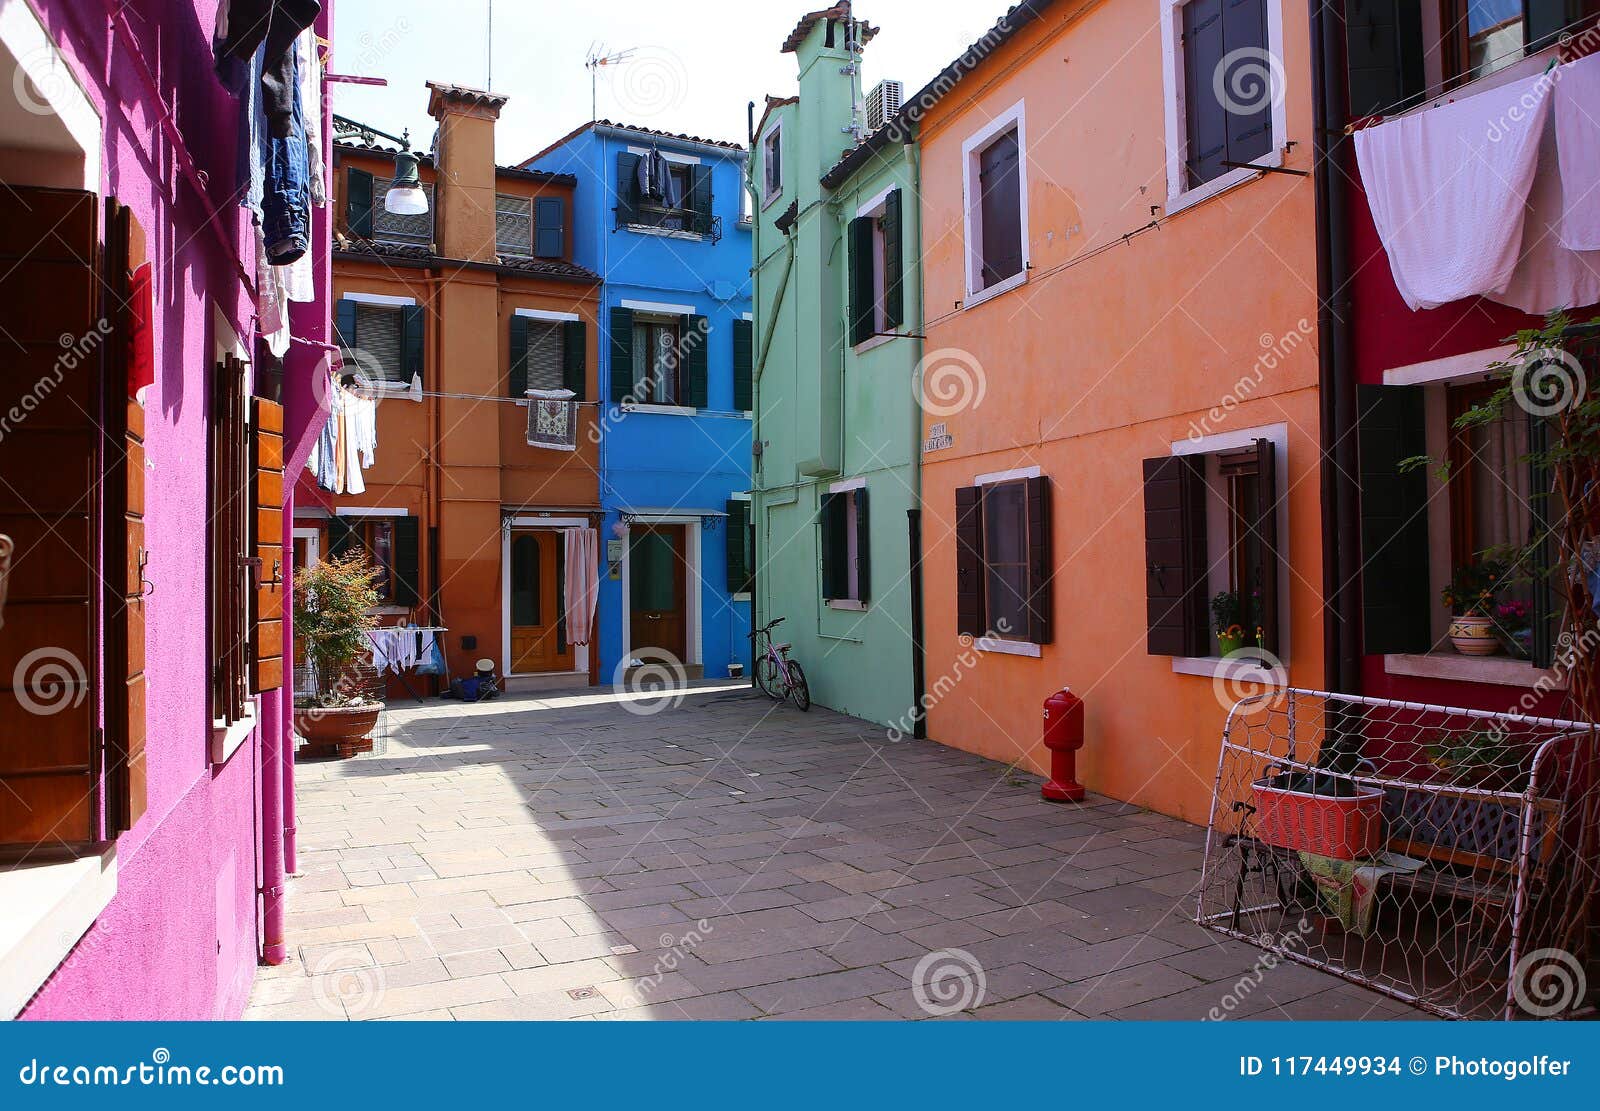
(1482, 758)
(1514, 621)
(333, 604)
(1225, 615)
(1471, 600)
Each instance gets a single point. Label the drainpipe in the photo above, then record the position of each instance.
(1341, 542)
(913, 212)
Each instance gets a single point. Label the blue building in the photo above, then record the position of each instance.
(661, 218)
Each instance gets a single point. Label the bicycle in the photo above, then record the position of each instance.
(774, 672)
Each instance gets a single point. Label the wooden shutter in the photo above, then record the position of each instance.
(737, 533)
(1384, 53)
(358, 202)
(517, 377)
(835, 550)
(695, 341)
(550, 227)
(343, 537)
(1547, 601)
(893, 264)
(1394, 521)
(1175, 556)
(1244, 27)
(1207, 120)
(406, 562)
(574, 357)
(413, 334)
(266, 642)
(48, 247)
(1547, 19)
(969, 560)
(1041, 563)
(622, 352)
(232, 509)
(861, 284)
(863, 546)
(627, 188)
(1000, 207)
(700, 197)
(744, 365)
(1264, 535)
(344, 323)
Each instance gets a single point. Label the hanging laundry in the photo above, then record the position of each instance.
(141, 331)
(1549, 275)
(310, 74)
(1577, 104)
(267, 28)
(1448, 188)
(362, 408)
(552, 420)
(286, 199)
(649, 182)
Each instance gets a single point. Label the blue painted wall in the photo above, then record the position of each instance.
(658, 460)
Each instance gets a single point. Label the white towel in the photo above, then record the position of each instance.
(1549, 276)
(1577, 113)
(1448, 189)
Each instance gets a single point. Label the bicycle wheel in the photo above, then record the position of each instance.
(798, 688)
(766, 674)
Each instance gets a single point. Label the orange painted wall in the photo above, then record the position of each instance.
(1109, 353)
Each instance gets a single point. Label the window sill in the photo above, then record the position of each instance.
(1004, 647)
(44, 909)
(226, 739)
(977, 297)
(671, 410)
(1218, 185)
(1500, 671)
(664, 233)
(1216, 667)
(845, 604)
(771, 199)
(741, 596)
(868, 344)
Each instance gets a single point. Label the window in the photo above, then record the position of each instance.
(672, 194)
(513, 225)
(741, 547)
(995, 195)
(876, 285)
(846, 575)
(1490, 507)
(390, 544)
(659, 357)
(381, 339)
(549, 351)
(657, 365)
(772, 164)
(1402, 52)
(1211, 548)
(1004, 563)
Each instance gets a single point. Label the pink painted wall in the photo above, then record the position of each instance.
(179, 941)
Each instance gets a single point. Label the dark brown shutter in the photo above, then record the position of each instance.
(49, 505)
(407, 562)
(232, 509)
(1394, 521)
(266, 641)
(1264, 534)
(1207, 141)
(1000, 207)
(1244, 28)
(862, 294)
(1041, 563)
(969, 560)
(1175, 556)
(1547, 19)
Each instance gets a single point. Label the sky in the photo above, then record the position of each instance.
(693, 69)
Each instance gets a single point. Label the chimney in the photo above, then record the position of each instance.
(464, 167)
(827, 46)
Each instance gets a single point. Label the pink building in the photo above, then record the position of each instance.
(146, 768)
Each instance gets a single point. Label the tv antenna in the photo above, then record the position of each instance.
(599, 57)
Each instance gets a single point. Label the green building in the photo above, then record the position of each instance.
(838, 305)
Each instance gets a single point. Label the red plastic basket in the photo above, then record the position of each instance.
(1344, 827)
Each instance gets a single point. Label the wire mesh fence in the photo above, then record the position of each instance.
(1444, 856)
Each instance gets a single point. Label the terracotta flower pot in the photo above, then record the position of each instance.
(339, 731)
(1473, 635)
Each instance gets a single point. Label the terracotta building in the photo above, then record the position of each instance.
(446, 318)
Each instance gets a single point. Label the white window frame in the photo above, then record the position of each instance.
(384, 301)
(1004, 645)
(773, 135)
(1179, 195)
(873, 209)
(972, 213)
(1216, 549)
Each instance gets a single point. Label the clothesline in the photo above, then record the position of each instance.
(379, 395)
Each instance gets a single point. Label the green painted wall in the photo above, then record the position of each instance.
(827, 412)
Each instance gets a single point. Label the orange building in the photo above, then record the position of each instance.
(1121, 382)
(449, 316)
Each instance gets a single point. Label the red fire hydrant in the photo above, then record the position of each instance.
(1063, 736)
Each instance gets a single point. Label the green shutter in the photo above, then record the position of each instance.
(1384, 51)
(405, 561)
(744, 348)
(342, 537)
(700, 198)
(549, 227)
(738, 566)
(835, 551)
(893, 264)
(358, 202)
(863, 547)
(413, 332)
(861, 292)
(1547, 607)
(696, 339)
(627, 188)
(517, 379)
(344, 323)
(574, 356)
(1394, 520)
(621, 354)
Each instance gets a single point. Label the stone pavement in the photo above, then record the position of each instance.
(552, 857)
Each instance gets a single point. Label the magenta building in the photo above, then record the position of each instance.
(146, 421)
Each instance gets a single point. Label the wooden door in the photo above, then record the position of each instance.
(538, 605)
(657, 611)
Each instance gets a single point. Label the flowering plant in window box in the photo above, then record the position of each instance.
(332, 613)
(1514, 622)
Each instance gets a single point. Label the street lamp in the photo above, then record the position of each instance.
(405, 196)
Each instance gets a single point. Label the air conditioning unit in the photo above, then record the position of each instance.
(883, 102)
